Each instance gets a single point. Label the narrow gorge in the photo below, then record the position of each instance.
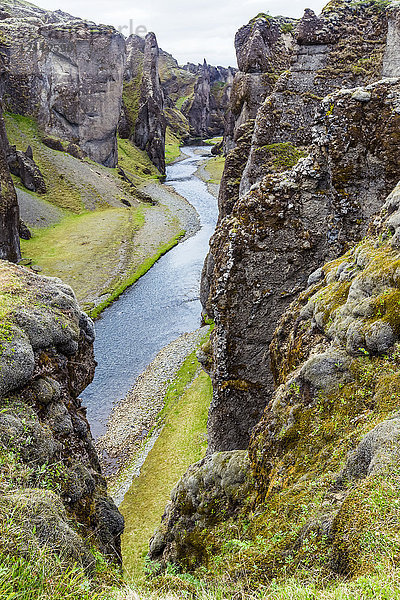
(200, 310)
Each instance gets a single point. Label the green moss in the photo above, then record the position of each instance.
(131, 95)
(263, 16)
(136, 162)
(172, 146)
(215, 167)
(281, 156)
(181, 101)
(61, 191)
(287, 27)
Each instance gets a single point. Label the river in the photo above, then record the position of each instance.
(159, 307)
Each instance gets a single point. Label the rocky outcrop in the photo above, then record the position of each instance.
(22, 165)
(54, 485)
(215, 486)
(344, 47)
(9, 210)
(263, 49)
(68, 74)
(332, 51)
(196, 97)
(325, 454)
(205, 109)
(142, 118)
(280, 231)
(150, 124)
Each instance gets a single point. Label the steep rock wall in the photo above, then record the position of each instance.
(206, 109)
(282, 230)
(46, 359)
(9, 210)
(343, 47)
(68, 74)
(263, 49)
(318, 496)
(150, 125)
(259, 260)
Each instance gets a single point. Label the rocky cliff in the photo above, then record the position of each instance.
(67, 73)
(316, 496)
(260, 256)
(50, 475)
(196, 97)
(302, 283)
(263, 49)
(205, 109)
(9, 210)
(142, 117)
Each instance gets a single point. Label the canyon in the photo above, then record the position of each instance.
(299, 484)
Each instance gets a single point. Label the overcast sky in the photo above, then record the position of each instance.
(191, 31)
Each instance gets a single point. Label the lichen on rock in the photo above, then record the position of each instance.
(53, 483)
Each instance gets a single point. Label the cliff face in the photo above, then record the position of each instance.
(68, 74)
(53, 484)
(316, 496)
(304, 290)
(344, 47)
(206, 109)
(150, 125)
(9, 210)
(263, 49)
(262, 252)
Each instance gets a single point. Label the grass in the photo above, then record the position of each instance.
(172, 146)
(181, 443)
(62, 192)
(135, 162)
(181, 101)
(213, 141)
(84, 249)
(215, 167)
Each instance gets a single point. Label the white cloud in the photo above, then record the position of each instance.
(189, 31)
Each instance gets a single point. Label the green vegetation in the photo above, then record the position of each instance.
(182, 442)
(262, 15)
(131, 94)
(84, 249)
(281, 156)
(215, 167)
(61, 191)
(172, 146)
(213, 141)
(287, 27)
(135, 162)
(95, 251)
(181, 101)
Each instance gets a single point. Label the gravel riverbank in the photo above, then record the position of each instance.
(124, 447)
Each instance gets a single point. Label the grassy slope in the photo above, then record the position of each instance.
(181, 443)
(172, 146)
(83, 249)
(215, 168)
(93, 250)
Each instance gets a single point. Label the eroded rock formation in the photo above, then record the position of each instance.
(149, 131)
(68, 74)
(260, 256)
(46, 360)
(327, 446)
(9, 210)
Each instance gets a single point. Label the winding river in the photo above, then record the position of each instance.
(159, 307)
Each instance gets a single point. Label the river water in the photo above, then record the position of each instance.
(158, 308)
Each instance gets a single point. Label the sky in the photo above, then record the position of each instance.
(190, 31)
